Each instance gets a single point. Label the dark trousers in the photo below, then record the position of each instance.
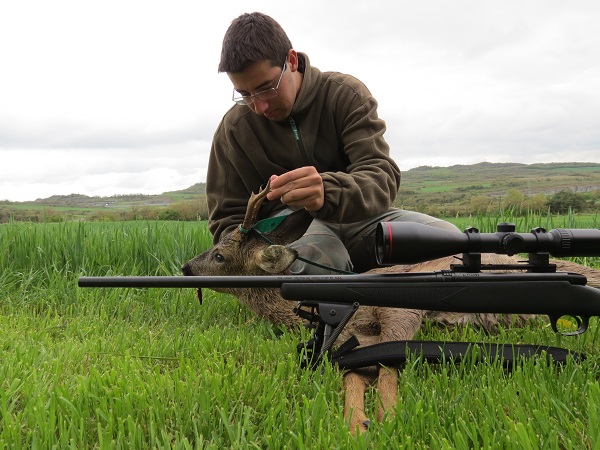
(349, 247)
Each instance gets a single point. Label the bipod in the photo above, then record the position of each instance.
(328, 320)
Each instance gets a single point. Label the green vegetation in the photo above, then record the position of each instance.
(187, 204)
(134, 368)
(524, 223)
(485, 188)
(491, 189)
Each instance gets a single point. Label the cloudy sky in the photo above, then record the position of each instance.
(121, 96)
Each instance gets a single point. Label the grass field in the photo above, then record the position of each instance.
(136, 368)
(525, 223)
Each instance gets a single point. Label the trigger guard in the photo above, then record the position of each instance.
(582, 325)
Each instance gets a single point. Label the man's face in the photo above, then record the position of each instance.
(262, 76)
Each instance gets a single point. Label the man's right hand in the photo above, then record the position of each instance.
(300, 188)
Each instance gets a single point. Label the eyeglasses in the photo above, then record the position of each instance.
(262, 95)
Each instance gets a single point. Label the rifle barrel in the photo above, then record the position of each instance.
(180, 281)
(276, 281)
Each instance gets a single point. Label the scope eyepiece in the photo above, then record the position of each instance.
(411, 242)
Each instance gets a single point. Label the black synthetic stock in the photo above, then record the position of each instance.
(554, 294)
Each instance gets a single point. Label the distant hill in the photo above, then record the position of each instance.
(84, 201)
(461, 189)
(436, 190)
(497, 178)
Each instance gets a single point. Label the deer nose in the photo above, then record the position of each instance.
(187, 270)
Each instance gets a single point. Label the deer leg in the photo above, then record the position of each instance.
(387, 386)
(396, 325)
(355, 385)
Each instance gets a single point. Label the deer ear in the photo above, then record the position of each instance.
(291, 228)
(276, 258)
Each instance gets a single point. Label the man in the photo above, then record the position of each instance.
(316, 136)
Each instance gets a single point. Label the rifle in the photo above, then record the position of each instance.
(328, 302)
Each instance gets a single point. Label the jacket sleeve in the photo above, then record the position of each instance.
(370, 183)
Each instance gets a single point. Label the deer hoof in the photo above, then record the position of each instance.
(359, 427)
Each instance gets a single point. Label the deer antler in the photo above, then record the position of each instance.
(254, 206)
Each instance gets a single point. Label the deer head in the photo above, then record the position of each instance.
(245, 252)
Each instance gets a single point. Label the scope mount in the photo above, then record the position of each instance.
(538, 262)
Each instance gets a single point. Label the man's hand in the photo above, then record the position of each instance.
(301, 188)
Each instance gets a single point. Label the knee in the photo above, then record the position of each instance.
(319, 256)
(444, 225)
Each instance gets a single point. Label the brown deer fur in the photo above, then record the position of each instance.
(243, 253)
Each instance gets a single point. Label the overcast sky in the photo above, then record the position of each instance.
(110, 97)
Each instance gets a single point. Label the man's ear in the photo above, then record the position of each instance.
(292, 58)
(276, 258)
(291, 228)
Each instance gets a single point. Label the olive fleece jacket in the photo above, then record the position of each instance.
(333, 126)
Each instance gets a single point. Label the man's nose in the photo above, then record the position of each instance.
(260, 106)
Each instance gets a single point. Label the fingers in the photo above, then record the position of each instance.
(308, 198)
(307, 175)
(301, 187)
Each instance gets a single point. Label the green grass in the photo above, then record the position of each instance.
(525, 223)
(152, 368)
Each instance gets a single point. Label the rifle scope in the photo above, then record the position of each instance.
(410, 242)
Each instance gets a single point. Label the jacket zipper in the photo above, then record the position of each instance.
(299, 141)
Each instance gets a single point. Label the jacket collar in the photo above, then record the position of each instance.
(309, 89)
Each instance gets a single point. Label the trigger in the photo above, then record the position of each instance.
(583, 324)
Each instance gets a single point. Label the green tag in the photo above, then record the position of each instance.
(268, 225)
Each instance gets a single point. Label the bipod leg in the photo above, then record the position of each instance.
(328, 320)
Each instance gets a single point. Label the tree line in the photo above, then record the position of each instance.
(464, 204)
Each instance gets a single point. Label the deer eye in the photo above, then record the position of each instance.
(219, 257)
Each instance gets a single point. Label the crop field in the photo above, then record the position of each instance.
(152, 368)
(526, 223)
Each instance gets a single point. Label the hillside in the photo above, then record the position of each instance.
(497, 178)
(436, 190)
(84, 201)
(485, 187)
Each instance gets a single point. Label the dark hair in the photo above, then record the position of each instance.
(252, 38)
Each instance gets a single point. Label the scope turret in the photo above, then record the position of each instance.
(410, 242)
